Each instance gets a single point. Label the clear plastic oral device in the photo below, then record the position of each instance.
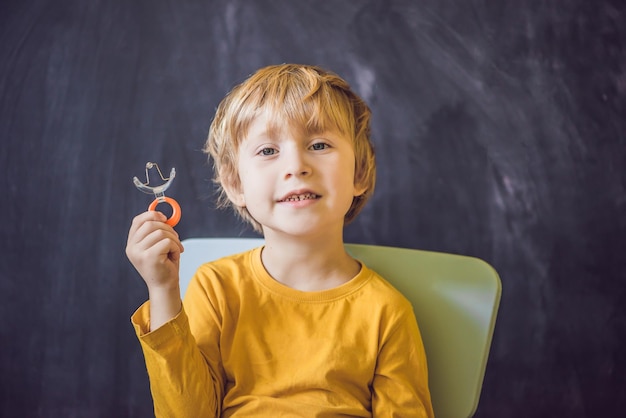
(159, 192)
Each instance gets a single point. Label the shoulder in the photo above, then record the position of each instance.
(385, 309)
(224, 274)
(228, 264)
(219, 286)
(381, 294)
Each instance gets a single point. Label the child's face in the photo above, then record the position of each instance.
(295, 183)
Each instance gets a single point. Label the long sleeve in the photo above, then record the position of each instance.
(400, 385)
(181, 381)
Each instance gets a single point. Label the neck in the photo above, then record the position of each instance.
(314, 263)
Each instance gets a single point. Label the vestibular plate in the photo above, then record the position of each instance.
(159, 192)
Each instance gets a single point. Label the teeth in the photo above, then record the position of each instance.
(300, 197)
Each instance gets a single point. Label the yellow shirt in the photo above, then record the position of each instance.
(246, 345)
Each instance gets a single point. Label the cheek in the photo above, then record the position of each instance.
(344, 183)
(347, 173)
(244, 186)
(246, 177)
(253, 188)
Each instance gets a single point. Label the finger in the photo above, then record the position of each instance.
(156, 234)
(142, 218)
(165, 249)
(147, 227)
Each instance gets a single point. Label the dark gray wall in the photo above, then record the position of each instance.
(500, 133)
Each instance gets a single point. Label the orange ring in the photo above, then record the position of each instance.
(176, 213)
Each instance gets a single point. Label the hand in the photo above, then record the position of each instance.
(154, 248)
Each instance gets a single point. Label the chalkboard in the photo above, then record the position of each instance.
(499, 130)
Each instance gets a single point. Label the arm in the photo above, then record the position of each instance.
(400, 385)
(153, 247)
(181, 381)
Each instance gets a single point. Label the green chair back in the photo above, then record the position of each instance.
(455, 299)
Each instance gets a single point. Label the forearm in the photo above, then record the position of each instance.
(154, 249)
(165, 304)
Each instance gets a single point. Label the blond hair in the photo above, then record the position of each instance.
(299, 95)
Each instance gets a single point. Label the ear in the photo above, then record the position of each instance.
(359, 189)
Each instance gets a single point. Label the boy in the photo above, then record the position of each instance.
(296, 327)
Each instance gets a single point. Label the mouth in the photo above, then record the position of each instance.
(299, 197)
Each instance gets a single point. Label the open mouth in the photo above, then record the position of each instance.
(299, 197)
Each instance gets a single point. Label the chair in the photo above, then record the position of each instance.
(455, 299)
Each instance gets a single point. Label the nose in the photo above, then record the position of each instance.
(296, 162)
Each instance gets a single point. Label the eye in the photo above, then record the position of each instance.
(267, 151)
(318, 146)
